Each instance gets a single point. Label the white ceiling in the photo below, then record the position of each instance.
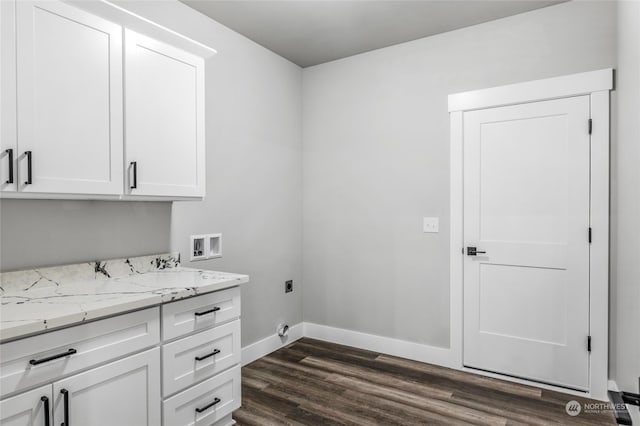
(310, 32)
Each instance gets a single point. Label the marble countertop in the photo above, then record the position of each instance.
(37, 300)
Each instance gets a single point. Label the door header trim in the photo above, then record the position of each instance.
(550, 88)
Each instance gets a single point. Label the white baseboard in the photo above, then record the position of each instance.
(269, 344)
(385, 345)
(633, 411)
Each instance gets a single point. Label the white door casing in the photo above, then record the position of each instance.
(69, 100)
(595, 85)
(526, 203)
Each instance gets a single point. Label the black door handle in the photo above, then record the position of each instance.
(10, 155)
(215, 352)
(134, 167)
(45, 407)
(52, 357)
(206, 407)
(210, 311)
(472, 251)
(65, 394)
(29, 180)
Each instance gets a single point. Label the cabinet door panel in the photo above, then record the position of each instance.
(69, 99)
(26, 409)
(164, 118)
(125, 392)
(7, 97)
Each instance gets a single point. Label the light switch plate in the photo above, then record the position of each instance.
(430, 224)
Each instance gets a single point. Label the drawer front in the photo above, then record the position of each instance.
(200, 312)
(197, 405)
(197, 357)
(24, 363)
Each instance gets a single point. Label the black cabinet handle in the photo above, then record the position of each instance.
(65, 394)
(134, 167)
(52, 357)
(215, 352)
(45, 407)
(210, 311)
(10, 155)
(206, 407)
(29, 168)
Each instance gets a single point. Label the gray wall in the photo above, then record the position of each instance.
(376, 160)
(625, 206)
(36, 233)
(254, 174)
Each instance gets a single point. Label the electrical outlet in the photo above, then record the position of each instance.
(288, 286)
(430, 224)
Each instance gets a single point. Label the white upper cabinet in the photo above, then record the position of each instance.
(69, 100)
(8, 142)
(164, 130)
(70, 71)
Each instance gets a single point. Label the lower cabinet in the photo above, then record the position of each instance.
(77, 382)
(31, 408)
(125, 393)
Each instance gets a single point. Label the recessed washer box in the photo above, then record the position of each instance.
(206, 246)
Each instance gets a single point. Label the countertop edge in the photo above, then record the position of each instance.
(33, 328)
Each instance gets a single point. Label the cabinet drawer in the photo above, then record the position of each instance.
(205, 403)
(200, 356)
(24, 362)
(200, 312)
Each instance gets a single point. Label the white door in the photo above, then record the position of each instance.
(164, 133)
(123, 393)
(526, 204)
(69, 100)
(27, 409)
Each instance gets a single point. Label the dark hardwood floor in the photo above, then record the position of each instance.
(311, 382)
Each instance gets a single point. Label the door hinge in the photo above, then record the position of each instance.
(590, 126)
(590, 232)
(589, 343)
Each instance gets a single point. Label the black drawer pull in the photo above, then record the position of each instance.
(206, 407)
(45, 407)
(10, 155)
(29, 168)
(65, 394)
(210, 311)
(52, 357)
(215, 352)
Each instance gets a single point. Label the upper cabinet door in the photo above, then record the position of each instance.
(69, 100)
(164, 126)
(8, 147)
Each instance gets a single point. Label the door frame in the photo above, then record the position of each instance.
(597, 85)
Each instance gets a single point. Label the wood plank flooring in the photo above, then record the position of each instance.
(311, 382)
